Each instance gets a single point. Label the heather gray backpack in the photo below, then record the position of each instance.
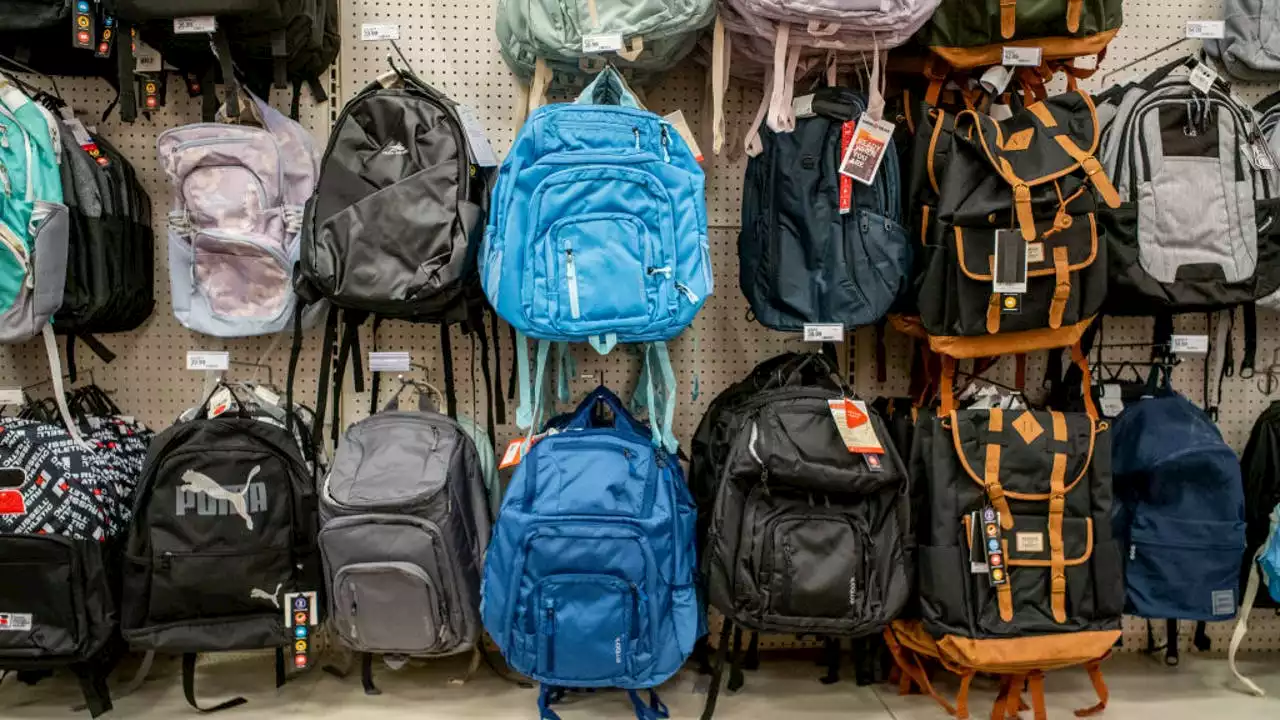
(1250, 49)
(404, 524)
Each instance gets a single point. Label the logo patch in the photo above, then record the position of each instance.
(256, 594)
(1029, 542)
(1224, 602)
(395, 147)
(15, 622)
(1028, 427)
(617, 650)
(203, 494)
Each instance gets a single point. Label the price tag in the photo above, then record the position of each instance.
(824, 332)
(79, 133)
(379, 31)
(12, 396)
(681, 126)
(146, 59)
(802, 106)
(208, 360)
(396, 361)
(477, 139)
(1112, 404)
(220, 402)
(1202, 78)
(1020, 56)
(854, 425)
(870, 140)
(1207, 29)
(1010, 275)
(601, 43)
(1189, 344)
(195, 24)
(266, 395)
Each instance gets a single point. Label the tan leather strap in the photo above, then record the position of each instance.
(1099, 687)
(1057, 506)
(541, 83)
(1008, 18)
(1077, 357)
(1074, 8)
(993, 308)
(1061, 287)
(913, 668)
(1093, 169)
(634, 48)
(946, 387)
(962, 698)
(1042, 114)
(1020, 371)
(751, 143)
(991, 474)
(1022, 207)
(924, 222)
(997, 710)
(1004, 591)
(1036, 681)
(595, 14)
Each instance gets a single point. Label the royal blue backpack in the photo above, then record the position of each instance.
(589, 580)
(1179, 511)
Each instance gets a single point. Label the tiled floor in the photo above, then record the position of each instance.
(786, 689)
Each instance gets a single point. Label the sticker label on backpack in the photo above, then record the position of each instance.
(16, 622)
(1015, 56)
(1224, 602)
(854, 425)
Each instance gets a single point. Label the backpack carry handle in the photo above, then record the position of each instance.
(946, 392)
(584, 417)
(423, 390)
(609, 88)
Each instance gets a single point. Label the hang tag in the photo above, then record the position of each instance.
(195, 24)
(266, 395)
(824, 332)
(874, 463)
(802, 106)
(12, 396)
(79, 132)
(846, 182)
(855, 427)
(1202, 78)
(1010, 273)
(208, 360)
(370, 32)
(1207, 29)
(16, 622)
(517, 450)
(106, 38)
(300, 615)
(601, 43)
(477, 139)
(193, 85)
(977, 556)
(1014, 56)
(681, 126)
(1189, 344)
(151, 92)
(990, 540)
(395, 361)
(82, 32)
(870, 141)
(1035, 252)
(220, 402)
(146, 59)
(1111, 401)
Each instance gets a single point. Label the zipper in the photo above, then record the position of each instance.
(4, 179)
(355, 607)
(4, 137)
(26, 144)
(666, 153)
(549, 632)
(244, 240)
(689, 295)
(571, 278)
(15, 246)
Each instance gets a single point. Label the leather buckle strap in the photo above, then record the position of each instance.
(1074, 9)
(1057, 506)
(1061, 288)
(1008, 18)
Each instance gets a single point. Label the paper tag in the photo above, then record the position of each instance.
(395, 361)
(266, 395)
(16, 622)
(1202, 78)
(802, 106)
(1035, 252)
(1029, 542)
(12, 396)
(477, 139)
(681, 126)
(1010, 274)
(220, 402)
(513, 455)
(846, 182)
(195, 24)
(304, 603)
(79, 133)
(990, 540)
(208, 360)
(146, 59)
(1207, 29)
(870, 140)
(601, 43)
(379, 31)
(824, 332)
(1020, 56)
(854, 425)
(1112, 402)
(1189, 344)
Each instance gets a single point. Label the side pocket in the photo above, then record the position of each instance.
(51, 226)
(492, 270)
(880, 270)
(1108, 579)
(944, 587)
(181, 282)
(136, 592)
(686, 615)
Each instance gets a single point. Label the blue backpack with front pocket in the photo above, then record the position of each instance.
(589, 579)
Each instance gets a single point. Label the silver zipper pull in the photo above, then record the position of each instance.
(636, 132)
(4, 180)
(4, 136)
(666, 156)
(689, 294)
(665, 270)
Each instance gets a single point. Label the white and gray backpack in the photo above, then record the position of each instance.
(404, 523)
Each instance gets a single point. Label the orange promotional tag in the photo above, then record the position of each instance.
(854, 425)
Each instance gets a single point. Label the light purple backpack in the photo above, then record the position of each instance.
(238, 195)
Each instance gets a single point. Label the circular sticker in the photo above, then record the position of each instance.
(994, 545)
(83, 21)
(83, 37)
(300, 646)
(102, 48)
(992, 531)
(1010, 302)
(299, 603)
(300, 661)
(997, 574)
(106, 35)
(83, 6)
(300, 631)
(109, 21)
(300, 618)
(151, 87)
(103, 161)
(151, 102)
(995, 560)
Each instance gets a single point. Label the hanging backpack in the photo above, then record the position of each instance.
(1018, 571)
(238, 195)
(1245, 50)
(1034, 179)
(807, 529)
(223, 532)
(589, 581)
(404, 521)
(1264, 565)
(1260, 472)
(837, 254)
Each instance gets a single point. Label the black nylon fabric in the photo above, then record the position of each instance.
(954, 600)
(25, 15)
(1260, 466)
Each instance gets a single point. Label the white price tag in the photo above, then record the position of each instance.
(824, 332)
(1015, 56)
(477, 140)
(1189, 344)
(379, 31)
(1202, 78)
(78, 132)
(802, 106)
(12, 396)
(870, 141)
(1207, 29)
(196, 24)
(266, 394)
(208, 360)
(396, 361)
(601, 43)
(146, 59)
(1112, 403)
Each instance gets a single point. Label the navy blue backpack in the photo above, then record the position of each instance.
(1179, 511)
(589, 580)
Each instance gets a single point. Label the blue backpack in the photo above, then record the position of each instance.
(1179, 511)
(589, 579)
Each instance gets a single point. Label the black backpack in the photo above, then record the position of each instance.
(802, 259)
(38, 34)
(1260, 466)
(224, 529)
(110, 247)
(393, 228)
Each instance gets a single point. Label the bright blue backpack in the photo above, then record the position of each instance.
(598, 229)
(1179, 511)
(589, 580)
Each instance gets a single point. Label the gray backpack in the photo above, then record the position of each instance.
(1249, 50)
(404, 524)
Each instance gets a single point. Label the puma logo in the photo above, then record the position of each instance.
(256, 594)
(395, 147)
(218, 500)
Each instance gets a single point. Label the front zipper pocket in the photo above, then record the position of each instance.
(42, 602)
(194, 585)
(241, 275)
(388, 607)
(815, 567)
(604, 261)
(587, 626)
(601, 476)
(18, 278)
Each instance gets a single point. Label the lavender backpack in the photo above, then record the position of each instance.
(238, 196)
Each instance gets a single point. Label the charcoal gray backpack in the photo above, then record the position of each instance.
(1250, 49)
(404, 523)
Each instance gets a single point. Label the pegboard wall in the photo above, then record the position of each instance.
(451, 45)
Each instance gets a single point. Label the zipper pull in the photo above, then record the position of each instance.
(666, 156)
(689, 294)
(4, 136)
(636, 132)
(166, 562)
(665, 270)
(4, 180)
